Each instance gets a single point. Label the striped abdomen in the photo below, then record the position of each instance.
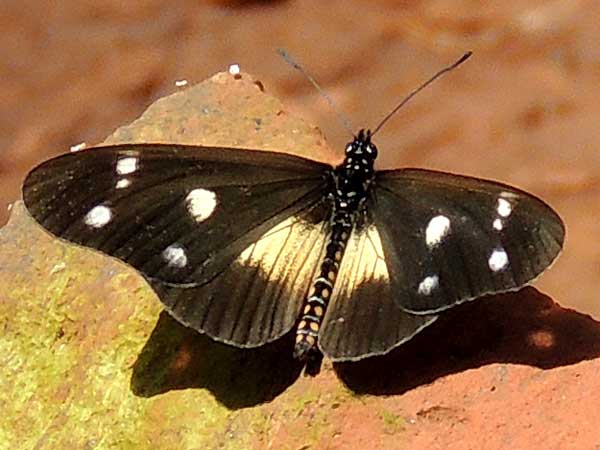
(320, 293)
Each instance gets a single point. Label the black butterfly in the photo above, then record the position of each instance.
(243, 245)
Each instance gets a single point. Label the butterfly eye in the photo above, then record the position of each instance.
(371, 150)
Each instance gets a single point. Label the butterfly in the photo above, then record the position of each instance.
(246, 245)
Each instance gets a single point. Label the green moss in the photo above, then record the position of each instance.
(35, 363)
(303, 401)
(392, 422)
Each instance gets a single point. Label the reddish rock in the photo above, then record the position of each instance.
(84, 362)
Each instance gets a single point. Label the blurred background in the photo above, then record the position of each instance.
(524, 109)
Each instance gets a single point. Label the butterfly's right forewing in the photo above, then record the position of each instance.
(449, 238)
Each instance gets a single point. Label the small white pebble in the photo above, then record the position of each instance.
(78, 147)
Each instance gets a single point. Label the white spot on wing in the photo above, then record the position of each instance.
(98, 216)
(497, 224)
(175, 256)
(428, 284)
(122, 183)
(127, 165)
(504, 207)
(436, 230)
(498, 259)
(201, 203)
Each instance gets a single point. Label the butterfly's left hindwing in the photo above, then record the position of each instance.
(449, 238)
(258, 298)
(178, 214)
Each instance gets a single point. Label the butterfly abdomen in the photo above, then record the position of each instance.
(351, 181)
(320, 293)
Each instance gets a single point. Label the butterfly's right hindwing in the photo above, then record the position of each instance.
(363, 318)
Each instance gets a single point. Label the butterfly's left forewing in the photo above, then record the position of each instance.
(178, 214)
(449, 238)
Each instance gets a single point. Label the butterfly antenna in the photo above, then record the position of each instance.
(292, 62)
(461, 60)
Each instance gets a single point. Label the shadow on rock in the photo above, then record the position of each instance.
(176, 357)
(524, 327)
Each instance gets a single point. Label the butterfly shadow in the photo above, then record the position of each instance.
(177, 357)
(524, 327)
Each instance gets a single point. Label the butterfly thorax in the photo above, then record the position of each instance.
(354, 174)
(351, 180)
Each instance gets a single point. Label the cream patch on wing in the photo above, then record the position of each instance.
(364, 260)
(362, 265)
(373, 254)
(289, 248)
(263, 252)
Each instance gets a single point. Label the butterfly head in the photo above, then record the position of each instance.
(361, 147)
(360, 156)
